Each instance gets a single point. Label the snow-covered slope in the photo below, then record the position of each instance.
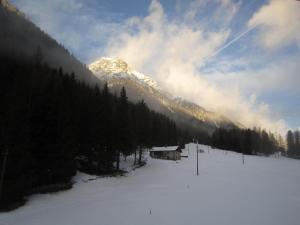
(263, 191)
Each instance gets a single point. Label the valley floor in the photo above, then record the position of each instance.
(262, 191)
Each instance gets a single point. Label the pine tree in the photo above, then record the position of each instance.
(290, 143)
(297, 143)
(144, 128)
(123, 128)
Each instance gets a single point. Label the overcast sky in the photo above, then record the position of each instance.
(240, 58)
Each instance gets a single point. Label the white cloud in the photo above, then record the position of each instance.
(174, 50)
(225, 10)
(280, 75)
(278, 23)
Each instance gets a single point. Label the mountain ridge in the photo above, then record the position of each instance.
(117, 73)
(10, 7)
(118, 68)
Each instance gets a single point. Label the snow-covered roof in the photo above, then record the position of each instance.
(162, 149)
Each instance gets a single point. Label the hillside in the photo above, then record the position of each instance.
(21, 39)
(167, 192)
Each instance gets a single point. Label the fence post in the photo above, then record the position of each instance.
(5, 154)
(197, 160)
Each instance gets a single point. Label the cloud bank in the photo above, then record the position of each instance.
(278, 23)
(173, 52)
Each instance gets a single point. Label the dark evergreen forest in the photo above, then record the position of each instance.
(247, 141)
(293, 144)
(52, 125)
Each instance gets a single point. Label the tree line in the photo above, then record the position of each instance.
(247, 141)
(293, 143)
(52, 125)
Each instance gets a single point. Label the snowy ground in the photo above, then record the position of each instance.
(263, 191)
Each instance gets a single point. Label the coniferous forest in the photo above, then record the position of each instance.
(52, 125)
(247, 141)
(293, 143)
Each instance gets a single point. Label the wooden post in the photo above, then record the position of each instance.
(243, 156)
(197, 160)
(134, 157)
(5, 154)
(118, 161)
(140, 155)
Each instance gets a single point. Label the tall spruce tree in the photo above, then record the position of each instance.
(123, 128)
(290, 143)
(297, 143)
(144, 128)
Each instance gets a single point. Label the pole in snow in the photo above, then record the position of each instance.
(197, 160)
(5, 154)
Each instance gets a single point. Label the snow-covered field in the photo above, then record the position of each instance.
(263, 191)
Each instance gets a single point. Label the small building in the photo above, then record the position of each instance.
(169, 152)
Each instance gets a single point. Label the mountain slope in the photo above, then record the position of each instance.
(118, 73)
(21, 39)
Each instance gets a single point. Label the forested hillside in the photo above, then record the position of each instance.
(51, 125)
(19, 38)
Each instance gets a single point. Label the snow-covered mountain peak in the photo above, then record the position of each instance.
(10, 7)
(109, 65)
(109, 68)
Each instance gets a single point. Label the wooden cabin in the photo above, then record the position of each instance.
(169, 152)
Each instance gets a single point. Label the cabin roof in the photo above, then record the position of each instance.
(164, 149)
